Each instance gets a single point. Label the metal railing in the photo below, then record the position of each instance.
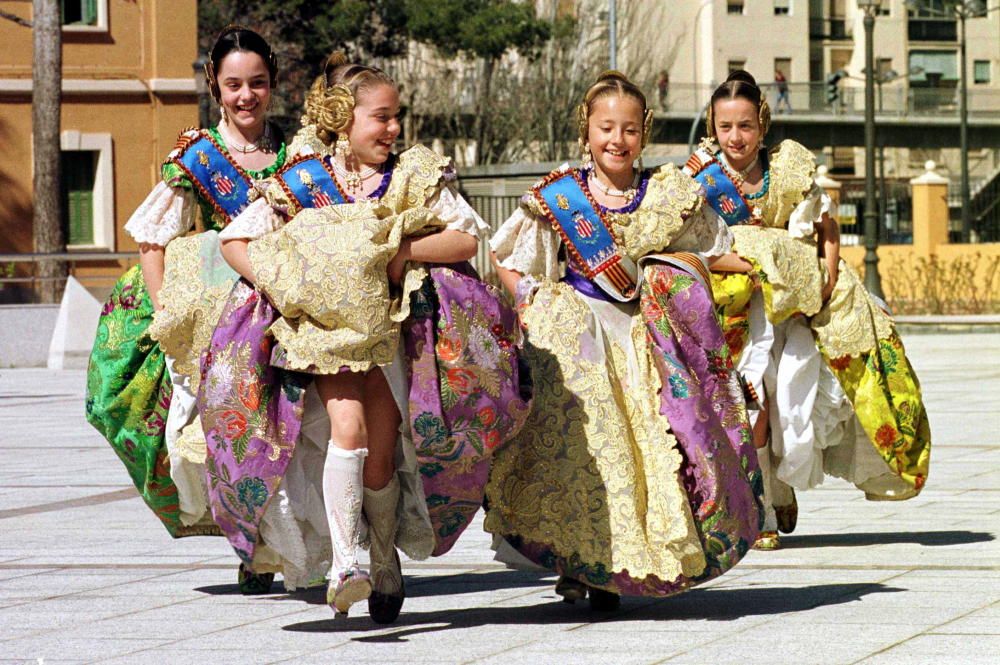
(897, 100)
(834, 27)
(932, 30)
(19, 278)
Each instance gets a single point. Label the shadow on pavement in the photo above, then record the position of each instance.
(928, 538)
(416, 586)
(722, 604)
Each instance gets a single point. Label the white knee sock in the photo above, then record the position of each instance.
(343, 492)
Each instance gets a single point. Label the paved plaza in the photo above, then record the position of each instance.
(88, 575)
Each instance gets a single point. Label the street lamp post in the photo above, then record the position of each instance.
(872, 280)
(963, 9)
(963, 126)
(613, 34)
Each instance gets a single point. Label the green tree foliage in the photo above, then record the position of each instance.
(484, 30)
(304, 32)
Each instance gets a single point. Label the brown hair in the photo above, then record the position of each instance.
(237, 38)
(612, 83)
(740, 85)
(330, 101)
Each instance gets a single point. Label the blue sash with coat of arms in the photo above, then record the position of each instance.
(213, 172)
(720, 191)
(587, 236)
(310, 183)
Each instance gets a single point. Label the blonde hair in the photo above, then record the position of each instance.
(331, 99)
(612, 83)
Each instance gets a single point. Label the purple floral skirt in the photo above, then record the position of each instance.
(466, 398)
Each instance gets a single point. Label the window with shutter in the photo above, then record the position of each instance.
(78, 196)
(79, 12)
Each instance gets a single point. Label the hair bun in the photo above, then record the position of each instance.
(742, 75)
(612, 75)
(334, 60)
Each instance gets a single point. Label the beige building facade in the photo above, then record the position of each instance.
(128, 89)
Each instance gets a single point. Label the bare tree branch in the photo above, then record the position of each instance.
(15, 18)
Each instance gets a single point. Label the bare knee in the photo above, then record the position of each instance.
(348, 431)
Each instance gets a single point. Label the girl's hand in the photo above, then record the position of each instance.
(398, 262)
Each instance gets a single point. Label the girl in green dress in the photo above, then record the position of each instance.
(143, 371)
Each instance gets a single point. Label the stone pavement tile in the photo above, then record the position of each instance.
(312, 632)
(55, 647)
(809, 576)
(417, 647)
(206, 609)
(971, 624)
(646, 652)
(769, 648)
(941, 650)
(45, 661)
(159, 631)
(897, 616)
(235, 655)
(950, 581)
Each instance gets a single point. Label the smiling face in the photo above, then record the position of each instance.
(737, 129)
(244, 90)
(614, 131)
(375, 126)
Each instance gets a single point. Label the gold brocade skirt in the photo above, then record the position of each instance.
(792, 274)
(594, 471)
(196, 284)
(325, 271)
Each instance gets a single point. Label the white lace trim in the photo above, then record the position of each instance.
(528, 245)
(802, 222)
(256, 220)
(704, 233)
(455, 211)
(168, 212)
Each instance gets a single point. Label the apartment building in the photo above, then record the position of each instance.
(128, 89)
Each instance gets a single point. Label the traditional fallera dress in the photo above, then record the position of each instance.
(322, 304)
(844, 399)
(143, 369)
(634, 472)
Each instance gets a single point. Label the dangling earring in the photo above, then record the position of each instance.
(639, 168)
(343, 146)
(225, 116)
(586, 157)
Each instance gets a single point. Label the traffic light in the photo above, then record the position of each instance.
(833, 87)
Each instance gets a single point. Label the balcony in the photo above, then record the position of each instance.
(834, 28)
(932, 30)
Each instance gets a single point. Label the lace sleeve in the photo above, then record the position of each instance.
(528, 245)
(802, 222)
(456, 213)
(705, 233)
(168, 212)
(258, 219)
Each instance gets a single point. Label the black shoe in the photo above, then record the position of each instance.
(384, 607)
(570, 589)
(254, 584)
(604, 601)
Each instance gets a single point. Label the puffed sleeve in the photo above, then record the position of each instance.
(168, 212)
(528, 245)
(451, 208)
(802, 222)
(257, 219)
(705, 233)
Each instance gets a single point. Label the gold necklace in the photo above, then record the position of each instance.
(262, 142)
